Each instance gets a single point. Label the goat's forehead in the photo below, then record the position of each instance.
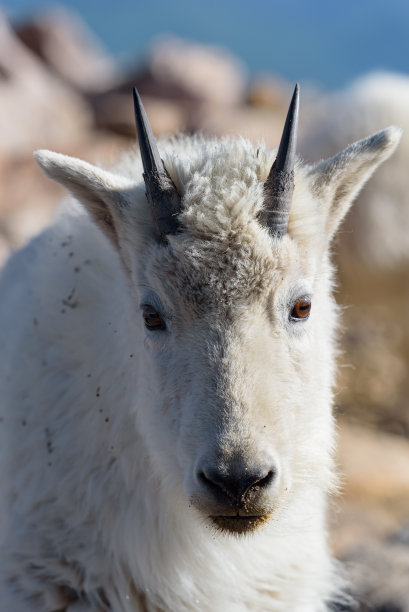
(219, 273)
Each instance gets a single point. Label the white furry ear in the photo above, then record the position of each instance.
(106, 196)
(338, 180)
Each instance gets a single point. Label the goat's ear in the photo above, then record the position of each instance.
(106, 196)
(337, 181)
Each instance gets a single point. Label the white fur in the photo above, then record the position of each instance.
(104, 423)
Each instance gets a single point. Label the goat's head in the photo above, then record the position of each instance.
(226, 263)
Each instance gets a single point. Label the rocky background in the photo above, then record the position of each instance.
(60, 90)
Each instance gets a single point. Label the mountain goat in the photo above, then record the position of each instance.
(166, 380)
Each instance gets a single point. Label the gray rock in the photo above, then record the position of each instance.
(63, 42)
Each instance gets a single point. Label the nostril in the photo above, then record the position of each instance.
(204, 479)
(235, 485)
(266, 481)
(213, 482)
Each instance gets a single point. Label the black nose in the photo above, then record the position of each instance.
(236, 486)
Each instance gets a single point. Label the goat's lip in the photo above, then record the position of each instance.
(239, 524)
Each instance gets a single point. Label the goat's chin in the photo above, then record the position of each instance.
(239, 525)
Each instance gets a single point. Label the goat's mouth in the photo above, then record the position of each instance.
(239, 524)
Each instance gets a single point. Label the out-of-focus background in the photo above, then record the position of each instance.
(228, 67)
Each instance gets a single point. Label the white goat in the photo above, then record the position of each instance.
(167, 433)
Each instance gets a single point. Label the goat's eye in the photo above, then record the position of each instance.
(152, 318)
(301, 309)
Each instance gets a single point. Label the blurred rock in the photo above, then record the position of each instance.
(379, 575)
(373, 383)
(376, 231)
(115, 112)
(366, 527)
(63, 42)
(375, 468)
(185, 77)
(257, 124)
(268, 92)
(206, 73)
(36, 109)
(374, 502)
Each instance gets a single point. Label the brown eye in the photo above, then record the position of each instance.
(301, 309)
(152, 318)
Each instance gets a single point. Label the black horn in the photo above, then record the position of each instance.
(164, 200)
(279, 185)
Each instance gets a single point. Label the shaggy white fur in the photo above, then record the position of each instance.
(106, 425)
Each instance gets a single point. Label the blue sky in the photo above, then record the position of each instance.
(327, 42)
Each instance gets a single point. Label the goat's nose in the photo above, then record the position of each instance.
(236, 486)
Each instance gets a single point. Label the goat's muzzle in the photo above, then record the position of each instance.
(236, 496)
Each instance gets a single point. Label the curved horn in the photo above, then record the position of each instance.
(279, 185)
(164, 200)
